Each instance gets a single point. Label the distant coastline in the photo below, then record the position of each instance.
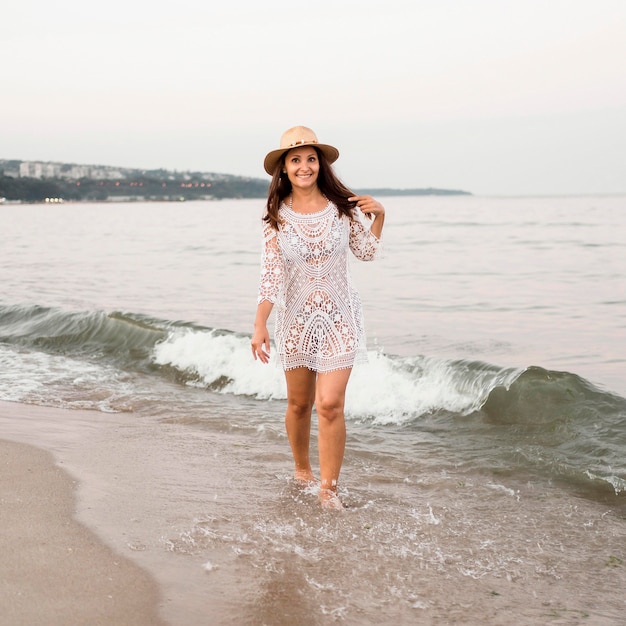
(53, 182)
(430, 191)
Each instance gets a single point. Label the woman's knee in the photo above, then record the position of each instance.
(330, 394)
(329, 408)
(300, 408)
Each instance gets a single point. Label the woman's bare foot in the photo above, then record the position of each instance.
(329, 499)
(304, 477)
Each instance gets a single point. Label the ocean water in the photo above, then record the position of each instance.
(485, 472)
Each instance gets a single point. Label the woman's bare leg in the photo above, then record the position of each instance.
(300, 398)
(329, 402)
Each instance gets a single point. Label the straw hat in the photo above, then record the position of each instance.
(295, 138)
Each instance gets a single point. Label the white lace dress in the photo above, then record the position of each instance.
(304, 272)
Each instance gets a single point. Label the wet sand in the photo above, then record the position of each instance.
(53, 569)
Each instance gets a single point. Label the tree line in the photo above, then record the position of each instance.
(143, 187)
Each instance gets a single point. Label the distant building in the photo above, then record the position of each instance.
(38, 169)
(77, 171)
(105, 173)
(43, 169)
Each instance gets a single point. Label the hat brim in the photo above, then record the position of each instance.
(273, 158)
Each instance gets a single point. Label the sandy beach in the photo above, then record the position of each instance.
(94, 511)
(53, 569)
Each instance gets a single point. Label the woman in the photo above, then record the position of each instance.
(312, 219)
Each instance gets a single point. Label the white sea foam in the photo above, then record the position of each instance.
(387, 390)
(53, 379)
(214, 357)
(507, 490)
(395, 391)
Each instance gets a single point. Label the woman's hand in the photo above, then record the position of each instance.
(368, 205)
(373, 209)
(260, 336)
(261, 344)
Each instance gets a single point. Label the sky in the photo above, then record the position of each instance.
(495, 97)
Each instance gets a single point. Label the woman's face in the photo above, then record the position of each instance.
(302, 166)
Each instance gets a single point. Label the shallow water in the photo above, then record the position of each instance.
(484, 475)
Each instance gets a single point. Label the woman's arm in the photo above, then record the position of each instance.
(269, 287)
(366, 242)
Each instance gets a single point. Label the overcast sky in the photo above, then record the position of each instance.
(491, 96)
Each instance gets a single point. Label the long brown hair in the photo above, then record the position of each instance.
(327, 182)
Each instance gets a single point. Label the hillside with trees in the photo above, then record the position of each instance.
(104, 185)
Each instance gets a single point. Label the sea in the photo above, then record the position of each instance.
(485, 470)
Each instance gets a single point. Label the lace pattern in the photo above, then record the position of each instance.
(305, 273)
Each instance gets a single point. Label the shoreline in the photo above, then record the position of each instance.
(55, 570)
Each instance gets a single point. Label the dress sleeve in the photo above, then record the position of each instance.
(364, 244)
(271, 267)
